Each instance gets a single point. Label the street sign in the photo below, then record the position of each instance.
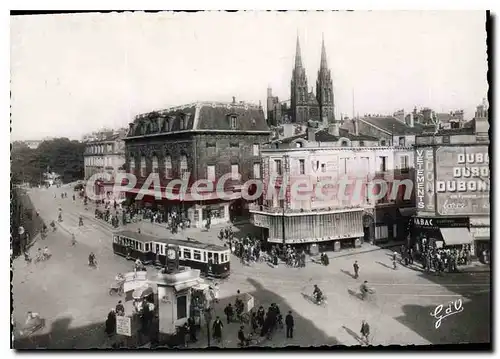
(123, 326)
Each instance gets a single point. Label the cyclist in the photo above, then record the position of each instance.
(317, 293)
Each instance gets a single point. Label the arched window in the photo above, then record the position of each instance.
(361, 143)
(298, 144)
(143, 166)
(168, 166)
(344, 143)
(154, 161)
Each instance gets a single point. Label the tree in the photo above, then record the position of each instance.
(59, 155)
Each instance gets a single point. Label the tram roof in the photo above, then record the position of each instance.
(145, 238)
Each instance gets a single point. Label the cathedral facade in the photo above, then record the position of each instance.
(304, 104)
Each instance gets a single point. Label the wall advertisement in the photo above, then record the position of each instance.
(463, 181)
(424, 169)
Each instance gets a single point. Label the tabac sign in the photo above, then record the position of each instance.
(463, 181)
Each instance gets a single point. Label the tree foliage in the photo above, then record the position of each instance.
(59, 155)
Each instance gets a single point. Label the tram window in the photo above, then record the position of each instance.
(146, 246)
(140, 247)
(197, 255)
(216, 258)
(204, 256)
(187, 253)
(180, 253)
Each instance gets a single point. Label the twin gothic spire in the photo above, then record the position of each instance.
(298, 55)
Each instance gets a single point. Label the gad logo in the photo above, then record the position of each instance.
(453, 308)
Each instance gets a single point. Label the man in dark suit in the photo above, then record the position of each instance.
(289, 325)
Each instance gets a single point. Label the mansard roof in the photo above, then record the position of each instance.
(200, 116)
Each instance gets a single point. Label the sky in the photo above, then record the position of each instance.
(74, 74)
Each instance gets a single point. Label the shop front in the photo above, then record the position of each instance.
(482, 243)
(441, 232)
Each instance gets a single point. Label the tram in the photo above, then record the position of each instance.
(211, 259)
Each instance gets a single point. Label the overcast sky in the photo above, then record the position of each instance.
(72, 74)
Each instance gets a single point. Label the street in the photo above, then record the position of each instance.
(74, 300)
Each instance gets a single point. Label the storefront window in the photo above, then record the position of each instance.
(187, 254)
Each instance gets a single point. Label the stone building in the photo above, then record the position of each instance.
(453, 186)
(199, 141)
(327, 152)
(104, 154)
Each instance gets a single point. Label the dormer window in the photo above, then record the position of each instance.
(181, 123)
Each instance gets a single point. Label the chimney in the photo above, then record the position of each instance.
(234, 100)
(355, 125)
(333, 129)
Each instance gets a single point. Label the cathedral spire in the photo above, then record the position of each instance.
(323, 64)
(298, 57)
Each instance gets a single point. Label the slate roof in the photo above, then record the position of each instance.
(201, 116)
(393, 125)
(324, 136)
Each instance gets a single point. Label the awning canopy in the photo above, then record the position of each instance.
(456, 236)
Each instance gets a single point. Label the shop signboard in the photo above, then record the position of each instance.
(260, 220)
(123, 326)
(462, 181)
(424, 166)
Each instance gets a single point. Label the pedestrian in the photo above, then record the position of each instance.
(356, 269)
(111, 323)
(217, 329)
(254, 322)
(229, 312)
(365, 331)
(289, 325)
(120, 309)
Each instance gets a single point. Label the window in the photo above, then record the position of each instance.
(181, 307)
(255, 149)
(234, 170)
(446, 139)
(181, 123)
(183, 166)
(143, 166)
(404, 164)
(168, 167)
(323, 167)
(155, 164)
(216, 258)
(279, 169)
(187, 253)
(382, 143)
(232, 121)
(383, 164)
(298, 144)
(197, 255)
(343, 166)
(344, 144)
(302, 167)
(256, 170)
(361, 143)
(146, 247)
(211, 173)
(234, 145)
(401, 141)
(211, 145)
(204, 256)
